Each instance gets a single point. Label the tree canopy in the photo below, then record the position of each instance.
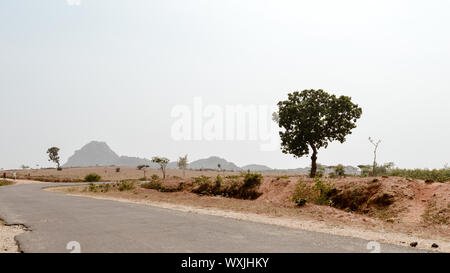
(53, 155)
(311, 119)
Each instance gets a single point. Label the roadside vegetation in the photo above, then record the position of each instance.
(6, 182)
(92, 177)
(439, 175)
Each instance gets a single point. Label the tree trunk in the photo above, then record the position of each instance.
(313, 162)
(374, 162)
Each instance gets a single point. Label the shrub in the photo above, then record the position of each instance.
(233, 176)
(201, 179)
(92, 177)
(323, 189)
(300, 202)
(252, 180)
(126, 185)
(155, 177)
(440, 175)
(153, 185)
(231, 189)
(143, 179)
(249, 189)
(319, 194)
(219, 181)
(365, 170)
(5, 183)
(246, 189)
(339, 170)
(203, 185)
(102, 188)
(92, 187)
(117, 170)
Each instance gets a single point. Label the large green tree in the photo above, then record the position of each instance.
(311, 119)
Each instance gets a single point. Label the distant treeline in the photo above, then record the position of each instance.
(440, 175)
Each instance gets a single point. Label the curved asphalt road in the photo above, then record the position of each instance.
(110, 226)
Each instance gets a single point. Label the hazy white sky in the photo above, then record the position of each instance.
(113, 70)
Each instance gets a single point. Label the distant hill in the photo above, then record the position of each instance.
(212, 163)
(92, 154)
(256, 168)
(97, 153)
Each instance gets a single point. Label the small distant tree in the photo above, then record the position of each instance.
(142, 168)
(24, 167)
(219, 167)
(365, 170)
(339, 170)
(375, 145)
(182, 164)
(310, 119)
(53, 154)
(162, 162)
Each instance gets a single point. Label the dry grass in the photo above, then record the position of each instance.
(107, 174)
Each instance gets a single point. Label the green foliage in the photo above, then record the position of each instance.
(365, 170)
(219, 181)
(126, 185)
(319, 194)
(182, 162)
(320, 171)
(53, 155)
(99, 188)
(439, 175)
(339, 170)
(252, 180)
(311, 119)
(303, 192)
(249, 189)
(5, 183)
(245, 189)
(323, 189)
(383, 169)
(142, 167)
(153, 185)
(155, 177)
(202, 179)
(92, 177)
(233, 176)
(162, 162)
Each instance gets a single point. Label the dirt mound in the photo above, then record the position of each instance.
(393, 199)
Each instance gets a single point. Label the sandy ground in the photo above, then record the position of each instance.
(7, 234)
(107, 173)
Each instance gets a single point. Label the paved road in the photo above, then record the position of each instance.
(110, 226)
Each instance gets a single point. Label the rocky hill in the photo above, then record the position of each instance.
(98, 153)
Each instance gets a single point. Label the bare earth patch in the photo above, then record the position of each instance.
(409, 219)
(7, 234)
